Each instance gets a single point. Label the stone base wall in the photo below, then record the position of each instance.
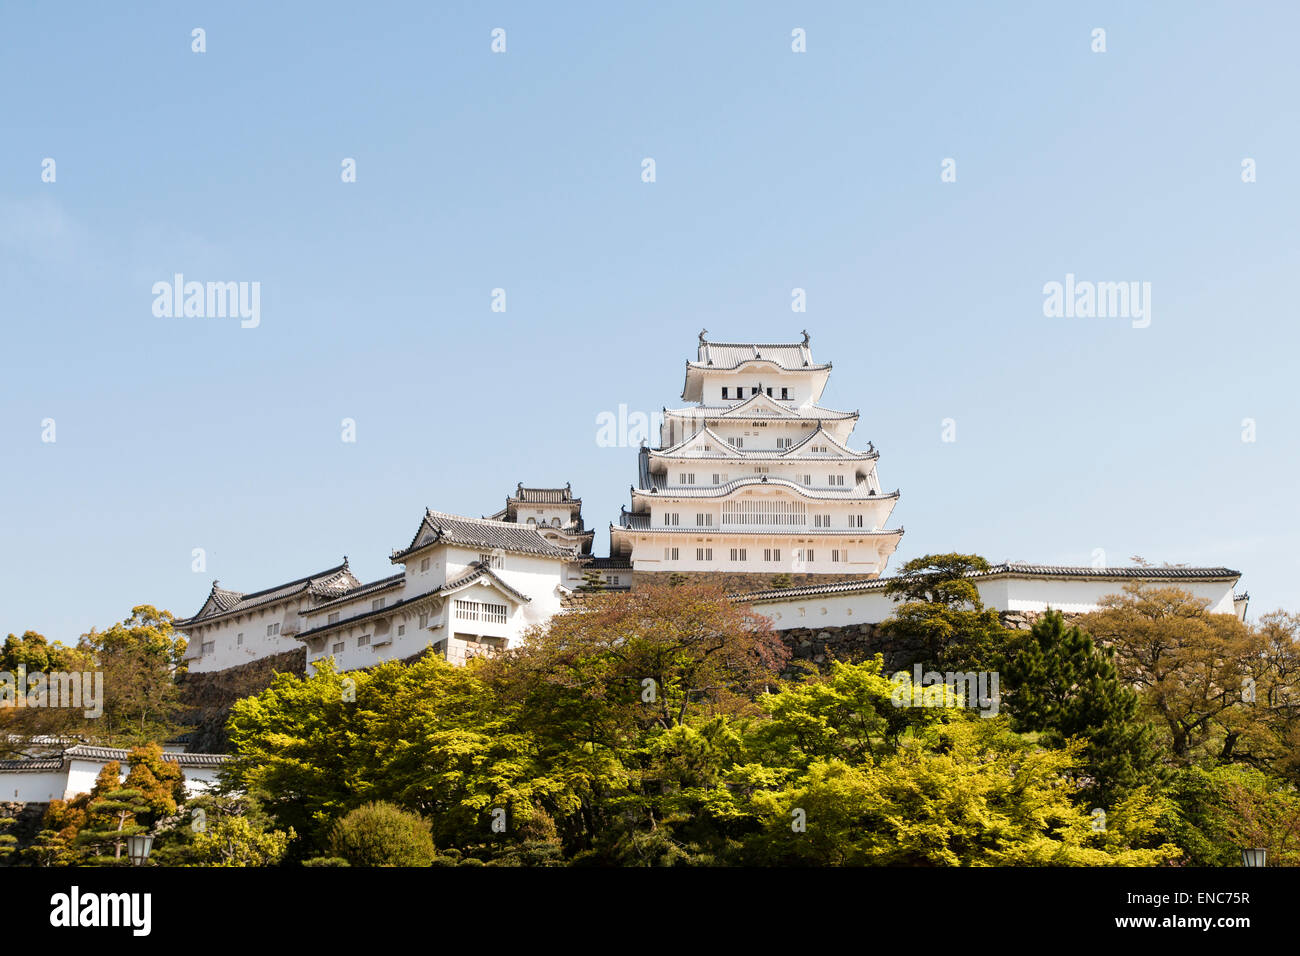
(207, 697)
(27, 824)
(1024, 620)
(849, 643)
(856, 642)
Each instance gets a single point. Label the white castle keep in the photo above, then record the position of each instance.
(755, 480)
(757, 476)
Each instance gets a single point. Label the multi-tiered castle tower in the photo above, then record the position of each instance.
(757, 477)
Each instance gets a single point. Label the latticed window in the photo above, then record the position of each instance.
(763, 511)
(481, 611)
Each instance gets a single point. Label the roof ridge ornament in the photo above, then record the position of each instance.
(703, 332)
(806, 338)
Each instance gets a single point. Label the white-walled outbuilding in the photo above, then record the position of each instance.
(62, 777)
(1004, 587)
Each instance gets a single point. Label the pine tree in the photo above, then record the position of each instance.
(1062, 684)
(110, 814)
(940, 621)
(8, 842)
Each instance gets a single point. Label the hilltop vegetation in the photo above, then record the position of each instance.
(653, 728)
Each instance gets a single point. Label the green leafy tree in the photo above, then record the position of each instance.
(161, 783)
(238, 841)
(34, 653)
(1266, 733)
(1189, 666)
(1216, 813)
(1062, 685)
(140, 658)
(427, 736)
(56, 842)
(850, 714)
(966, 793)
(23, 730)
(593, 689)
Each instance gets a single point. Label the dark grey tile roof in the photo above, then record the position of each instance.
(1010, 569)
(640, 521)
(41, 763)
(480, 533)
(737, 413)
(476, 572)
(92, 752)
(609, 564)
(658, 489)
(221, 601)
(1169, 573)
(483, 571)
(725, 355)
(732, 453)
(374, 587)
(550, 496)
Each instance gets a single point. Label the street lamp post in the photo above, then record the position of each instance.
(1253, 857)
(138, 847)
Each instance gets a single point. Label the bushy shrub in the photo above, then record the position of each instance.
(381, 834)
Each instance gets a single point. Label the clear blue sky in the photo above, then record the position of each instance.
(774, 170)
